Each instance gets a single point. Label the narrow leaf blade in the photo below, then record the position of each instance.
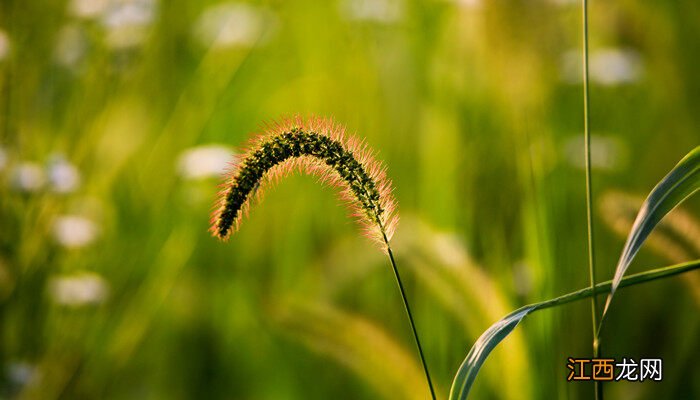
(674, 188)
(467, 372)
(466, 375)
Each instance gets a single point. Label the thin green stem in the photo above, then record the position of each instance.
(410, 315)
(631, 280)
(589, 193)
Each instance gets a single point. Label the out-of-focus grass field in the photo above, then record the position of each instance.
(117, 117)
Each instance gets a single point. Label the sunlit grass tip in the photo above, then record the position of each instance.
(315, 146)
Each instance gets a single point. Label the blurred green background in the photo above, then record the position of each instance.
(118, 116)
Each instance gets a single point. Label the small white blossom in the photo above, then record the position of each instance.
(22, 374)
(205, 161)
(607, 153)
(382, 11)
(87, 8)
(4, 45)
(468, 3)
(71, 46)
(74, 231)
(126, 22)
(125, 14)
(611, 66)
(28, 177)
(63, 176)
(78, 290)
(616, 66)
(233, 24)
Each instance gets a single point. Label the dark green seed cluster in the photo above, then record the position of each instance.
(292, 144)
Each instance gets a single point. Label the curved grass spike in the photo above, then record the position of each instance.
(319, 147)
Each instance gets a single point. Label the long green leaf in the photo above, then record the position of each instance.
(469, 369)
(482, 348)
(674, 188)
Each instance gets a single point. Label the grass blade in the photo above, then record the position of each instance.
(482, 348)
(488, 341)
(674, 188)
(676, 238)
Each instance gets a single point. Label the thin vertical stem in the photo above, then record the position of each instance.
(410, 315)
(589, 194)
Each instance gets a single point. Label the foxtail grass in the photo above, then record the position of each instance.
(320, 147)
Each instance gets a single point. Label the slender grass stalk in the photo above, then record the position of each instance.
(589, 193)
(410, 317)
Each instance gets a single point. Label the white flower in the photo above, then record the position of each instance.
(608, 66)
(28, 177)
(383, 11)
(4, 45)
(205, 161)
(468, 3)
(78, 290)
(232, 24)
(125, 14)
(71, 46)
(63, 176)
(74, 231)
(607, 153)
(615, 66)
(22, 374)
(88, 8)
(126, 22)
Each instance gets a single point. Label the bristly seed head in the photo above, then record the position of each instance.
(318, 147)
